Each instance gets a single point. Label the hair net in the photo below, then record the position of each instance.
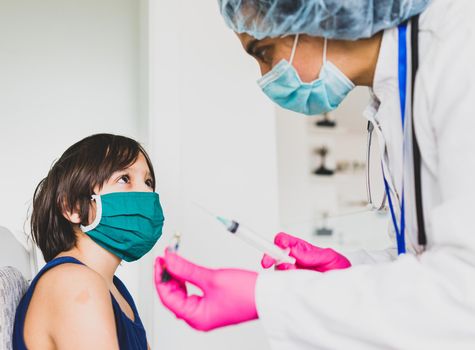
(336, 19)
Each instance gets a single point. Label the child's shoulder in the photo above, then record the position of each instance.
(69, 284)
(70, 275)
(74, 298)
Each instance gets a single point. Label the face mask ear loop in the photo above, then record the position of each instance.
(97, 219)
(294, 48)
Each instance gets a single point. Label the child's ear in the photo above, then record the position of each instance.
(72, 217)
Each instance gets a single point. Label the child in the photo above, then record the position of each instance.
(95, 208)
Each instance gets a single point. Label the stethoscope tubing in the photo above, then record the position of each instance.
(372, 206)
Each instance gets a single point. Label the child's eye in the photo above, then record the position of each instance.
(149, 183)
(124, 179)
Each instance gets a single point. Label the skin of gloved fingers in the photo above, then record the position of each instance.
(228, 294)
(307, 256)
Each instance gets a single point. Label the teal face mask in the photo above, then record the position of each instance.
(127, 224)
(284, 86)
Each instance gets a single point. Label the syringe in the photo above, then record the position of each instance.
(253, 239)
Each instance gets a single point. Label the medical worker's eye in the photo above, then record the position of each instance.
(264, 53)
(124, 179)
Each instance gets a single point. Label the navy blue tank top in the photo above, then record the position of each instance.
(131, 334)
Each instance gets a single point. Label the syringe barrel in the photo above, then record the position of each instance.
(253, 239)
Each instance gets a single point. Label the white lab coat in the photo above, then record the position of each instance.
(421, 300)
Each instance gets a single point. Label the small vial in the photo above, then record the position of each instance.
(173, 247)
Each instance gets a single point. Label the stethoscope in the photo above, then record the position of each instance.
(381, 208)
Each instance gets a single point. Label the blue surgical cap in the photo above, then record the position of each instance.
(334, 19)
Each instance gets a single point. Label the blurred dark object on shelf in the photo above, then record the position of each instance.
(322, 169)
(326, 122)
(324, 230)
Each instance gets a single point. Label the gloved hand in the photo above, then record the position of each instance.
(228, 294)
(307, 256)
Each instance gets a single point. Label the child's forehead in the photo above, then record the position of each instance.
(140, 164)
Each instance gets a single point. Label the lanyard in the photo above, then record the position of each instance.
(402, 77)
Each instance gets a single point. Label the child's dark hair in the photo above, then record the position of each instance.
(71, 182)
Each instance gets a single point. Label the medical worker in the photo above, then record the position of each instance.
(418, 58)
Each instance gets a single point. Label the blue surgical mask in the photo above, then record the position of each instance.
(284, 86)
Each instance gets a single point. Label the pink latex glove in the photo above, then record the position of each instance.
(307, 256)
(228, 294)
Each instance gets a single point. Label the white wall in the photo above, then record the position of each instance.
(213, 138)
(68, 69)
